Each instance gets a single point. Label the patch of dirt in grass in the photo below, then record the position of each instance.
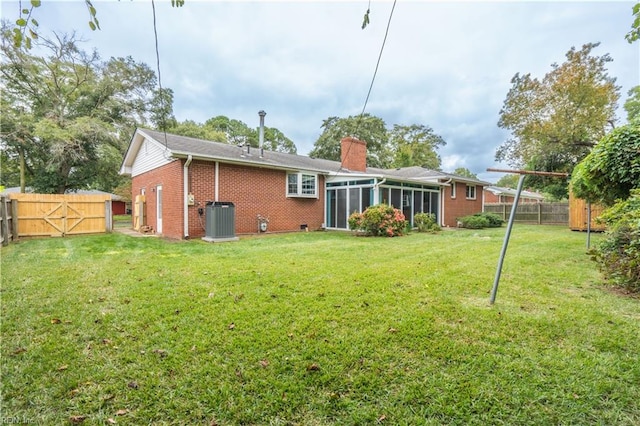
(622, 292)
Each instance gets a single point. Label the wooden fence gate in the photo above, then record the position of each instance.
(579, 212)
(60, 215)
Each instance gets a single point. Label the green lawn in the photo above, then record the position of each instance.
(317, 328)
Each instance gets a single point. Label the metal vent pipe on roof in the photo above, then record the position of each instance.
(261, 113)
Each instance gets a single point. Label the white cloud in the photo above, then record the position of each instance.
(447, 65)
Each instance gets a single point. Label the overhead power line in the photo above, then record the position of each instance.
(373, 79)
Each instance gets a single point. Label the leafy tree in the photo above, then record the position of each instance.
(66, 117)
(236, 131)
(196, 130)
(554, 188)
(226, 130)
(508, 181)
(161, 109)
(634, 33)
(365, 127)
(25, 31)
(612, 169)
(632, 104)
(275, 140)
(557, 120)
(402, 146)
(618, 254)
(464, 172)
(415, 145)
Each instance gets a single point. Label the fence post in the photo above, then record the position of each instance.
(5, 222)
(14, 218)
(108, 217)
(539, 214)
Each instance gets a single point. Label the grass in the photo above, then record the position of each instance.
(316, 329)
(122, 221)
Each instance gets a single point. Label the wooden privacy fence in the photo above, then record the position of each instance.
(60, 215)
(538, 213)
(8, 229)
(579, 212)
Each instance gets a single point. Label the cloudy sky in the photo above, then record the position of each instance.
(447, 65)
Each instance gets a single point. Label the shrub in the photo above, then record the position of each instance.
(481, 220)
(425, 222)
(379, 220)
(618, 256)
(495, 221)
(474, 222)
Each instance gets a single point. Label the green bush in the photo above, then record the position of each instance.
(495, 221)
(474, 222)
(379, 220)
(618, 256)
(425, 222)
(481, 220)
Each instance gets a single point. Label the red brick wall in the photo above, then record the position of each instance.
(490, 197)
(253, 191)
(460, 206)
(256, 191)
(353, 154)
(170, 177)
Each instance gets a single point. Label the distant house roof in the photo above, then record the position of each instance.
(29, 190)
(114, 197)
(16, 190)
(199, 149)
(498, 190)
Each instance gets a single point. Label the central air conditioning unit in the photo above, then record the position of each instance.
(220, 219)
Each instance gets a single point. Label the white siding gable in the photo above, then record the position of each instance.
(151, 155)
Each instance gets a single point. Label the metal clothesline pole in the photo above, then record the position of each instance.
(505, 243)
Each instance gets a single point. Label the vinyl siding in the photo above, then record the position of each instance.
(149, 157)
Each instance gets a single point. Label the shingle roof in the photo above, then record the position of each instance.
(183, 146)
(419, 173)
(203, 149)
(498, 190)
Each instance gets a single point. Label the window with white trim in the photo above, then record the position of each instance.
(453, 190)
(471, 192)
(302, 185)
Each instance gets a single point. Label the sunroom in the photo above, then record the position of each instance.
(345, 195)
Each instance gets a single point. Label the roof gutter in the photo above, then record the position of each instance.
(185, 193)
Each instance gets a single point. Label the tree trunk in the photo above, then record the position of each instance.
(22, 170)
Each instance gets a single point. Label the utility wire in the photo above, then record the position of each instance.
(373, 79)
(163, 123)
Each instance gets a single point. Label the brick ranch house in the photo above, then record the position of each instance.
(179, 175)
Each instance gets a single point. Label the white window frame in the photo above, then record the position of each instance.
(453, 189)
(301, 191)
(468, 195)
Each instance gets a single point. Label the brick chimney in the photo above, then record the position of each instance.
(353, 154)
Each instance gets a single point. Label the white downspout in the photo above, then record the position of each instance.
(443, 196)
(185, 191)
(215, 182)
(376, 192)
